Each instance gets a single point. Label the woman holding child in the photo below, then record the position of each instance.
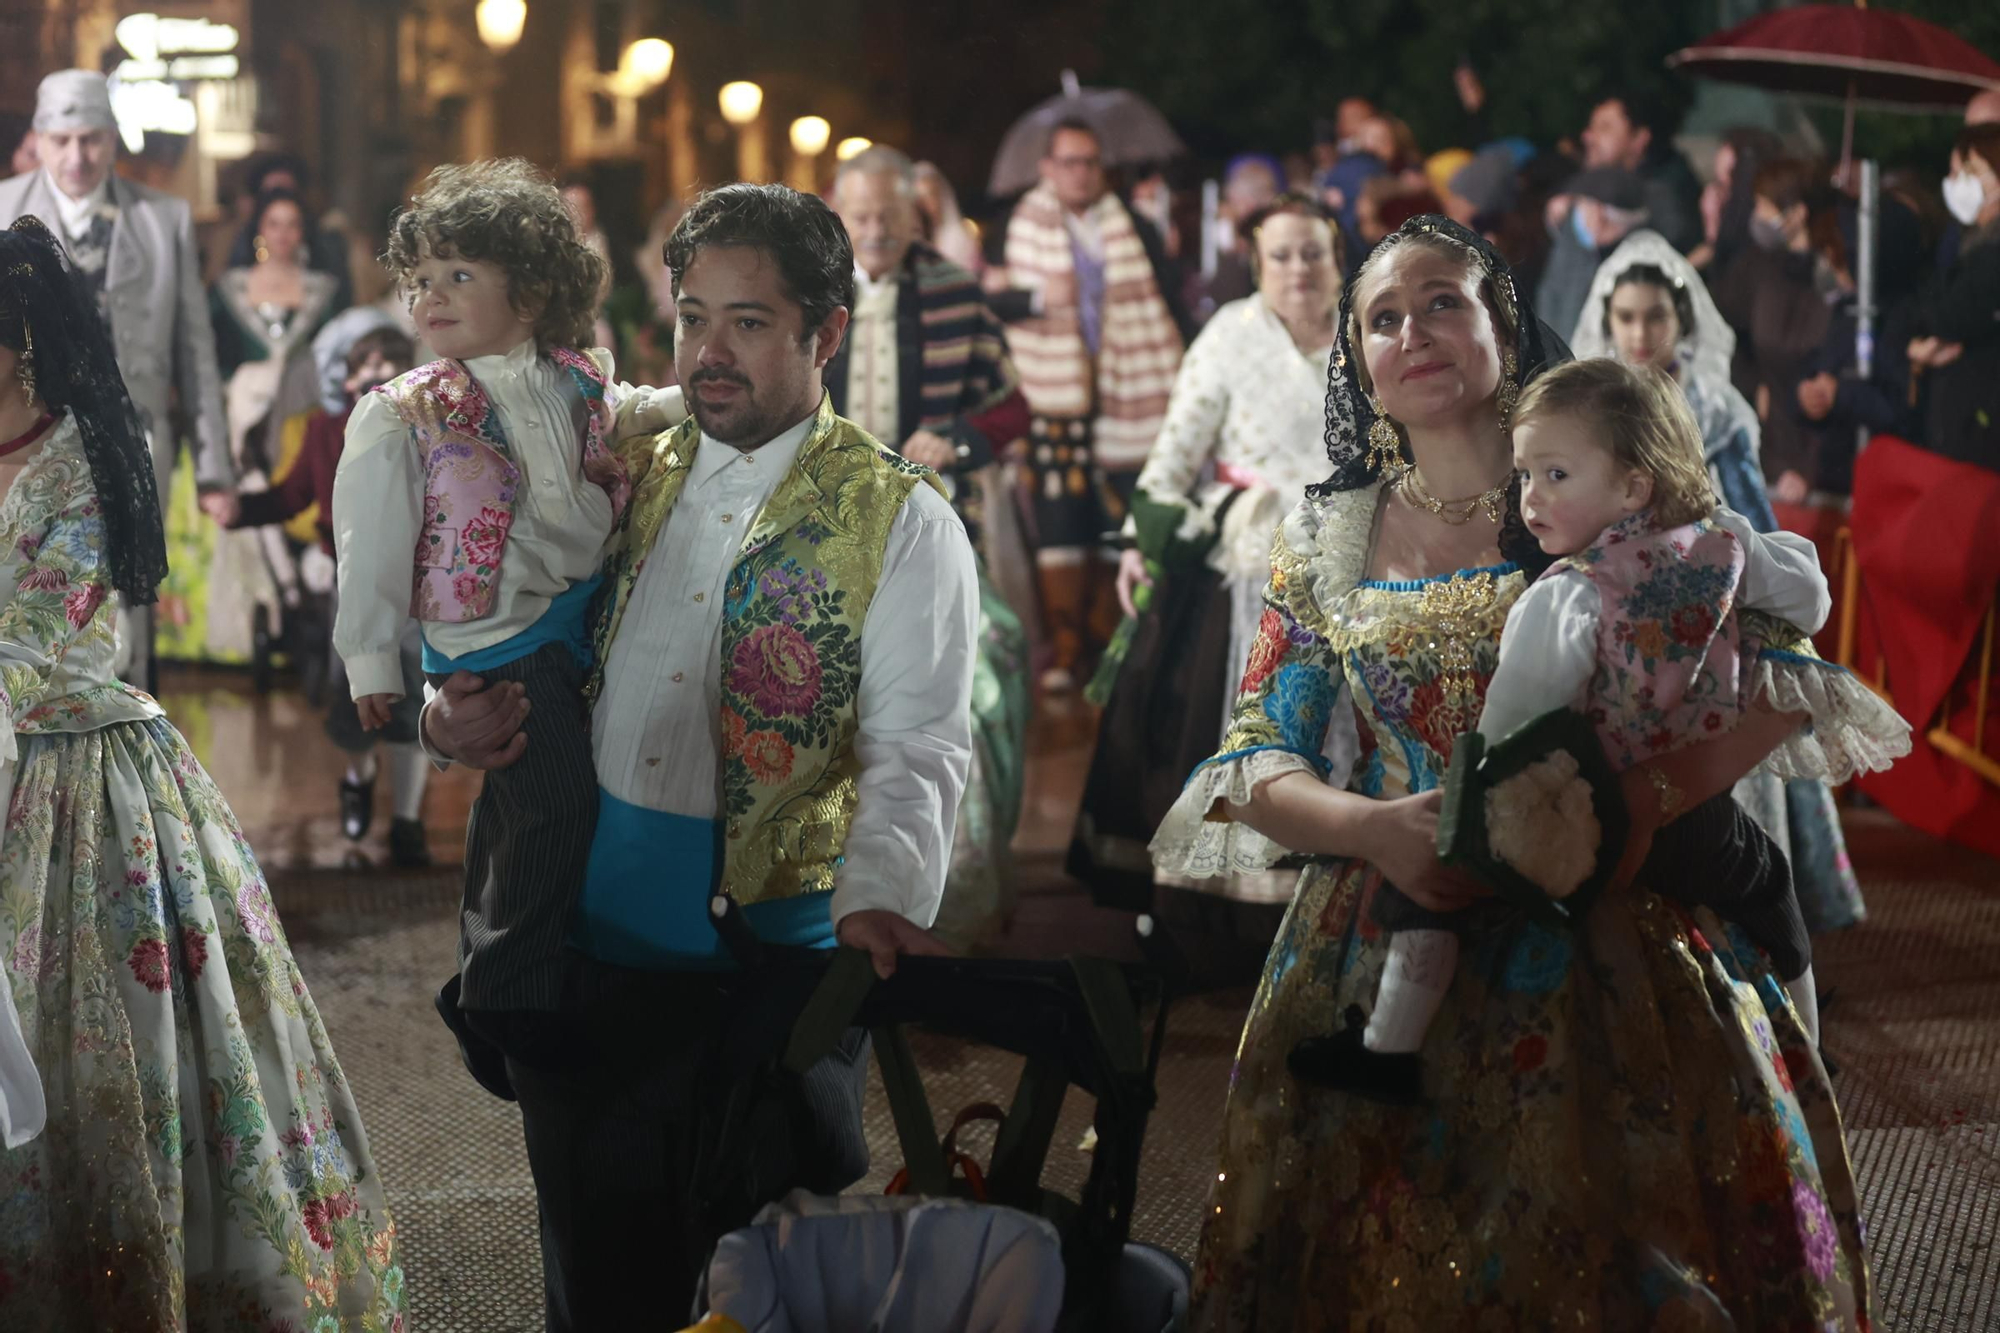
(1622, 1125)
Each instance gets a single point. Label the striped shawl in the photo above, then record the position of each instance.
(1140, 349)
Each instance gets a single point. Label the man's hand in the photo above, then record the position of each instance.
(473, 725)
(221, 506)
(934, 451)
(374, 710)
(886, 935)
(1816, 396)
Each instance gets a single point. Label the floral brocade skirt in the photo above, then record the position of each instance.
(1624, 1128)
(204, 1166)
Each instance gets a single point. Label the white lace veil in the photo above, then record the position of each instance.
(1705, 349)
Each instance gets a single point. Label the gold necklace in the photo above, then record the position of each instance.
(1455, 512)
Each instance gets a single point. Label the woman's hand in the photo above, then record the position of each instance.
(1642, 809)
(1131, 575)
(1402, 844)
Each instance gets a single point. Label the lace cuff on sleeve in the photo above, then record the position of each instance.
(1197, 838)
(1852, 729)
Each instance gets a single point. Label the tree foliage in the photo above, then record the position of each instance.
(1233, 74)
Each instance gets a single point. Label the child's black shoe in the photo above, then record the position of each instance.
(1343, 1062)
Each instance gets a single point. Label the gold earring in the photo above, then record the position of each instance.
(262, 250)
(1510, 392)
(1385, 449)
(24, 366)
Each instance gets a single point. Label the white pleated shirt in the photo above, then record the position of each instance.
(561, 517)
(656, 731)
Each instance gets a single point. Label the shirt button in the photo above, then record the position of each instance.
(548, 481)
(701, 597)
(678, 677)
(729, 518)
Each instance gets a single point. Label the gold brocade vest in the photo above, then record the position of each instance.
(794, 607)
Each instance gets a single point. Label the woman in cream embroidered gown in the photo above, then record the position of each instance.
(1239, 446)
(203, 1166)
(1648, 304)
(265, 317)
(1624, 1126)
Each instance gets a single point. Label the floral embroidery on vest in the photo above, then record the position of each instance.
(790, 670)
(1670, 664)
(470, 480)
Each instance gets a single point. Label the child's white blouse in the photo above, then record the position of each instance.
(1549, 645)
(561, 518)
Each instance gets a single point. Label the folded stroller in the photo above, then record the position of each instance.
(1075, 1022)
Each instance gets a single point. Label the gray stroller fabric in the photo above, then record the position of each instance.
(861, 1264)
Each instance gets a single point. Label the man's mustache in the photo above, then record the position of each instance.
(718, 377)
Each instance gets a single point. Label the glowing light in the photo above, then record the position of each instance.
(852, 147)
(500, 22)
(648, 60)
(810, 135)
(741, 101)
(148, 36)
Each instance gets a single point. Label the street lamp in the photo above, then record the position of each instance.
(647, 62)
(741, 101)
(500, 23)
(853, 147)
(810, 135)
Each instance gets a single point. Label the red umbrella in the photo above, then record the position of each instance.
(1871, 56)
(1860, 56)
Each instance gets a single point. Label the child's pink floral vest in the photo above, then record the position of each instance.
(1670, 664)
(470, 479)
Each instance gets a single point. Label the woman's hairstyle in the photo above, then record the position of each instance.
(1502, 310)
(802, 236)
(1788, 180)
(1652, 275)
(1350, 415)
(504, 212)
(281, 195)
(1303, 205)
(49, 320)
(1641, 417)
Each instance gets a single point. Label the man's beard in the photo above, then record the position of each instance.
(740, 421)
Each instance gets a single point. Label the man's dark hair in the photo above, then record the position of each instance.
(1079, 125)
(1648, 113)
(803, 237)
(392, 343)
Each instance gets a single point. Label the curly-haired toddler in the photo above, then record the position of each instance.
(475, 493)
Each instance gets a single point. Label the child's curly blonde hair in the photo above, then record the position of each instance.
(505, 212)
(1641, 417)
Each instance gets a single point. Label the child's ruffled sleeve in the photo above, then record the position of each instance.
(1287, 718)
(1851, 729)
